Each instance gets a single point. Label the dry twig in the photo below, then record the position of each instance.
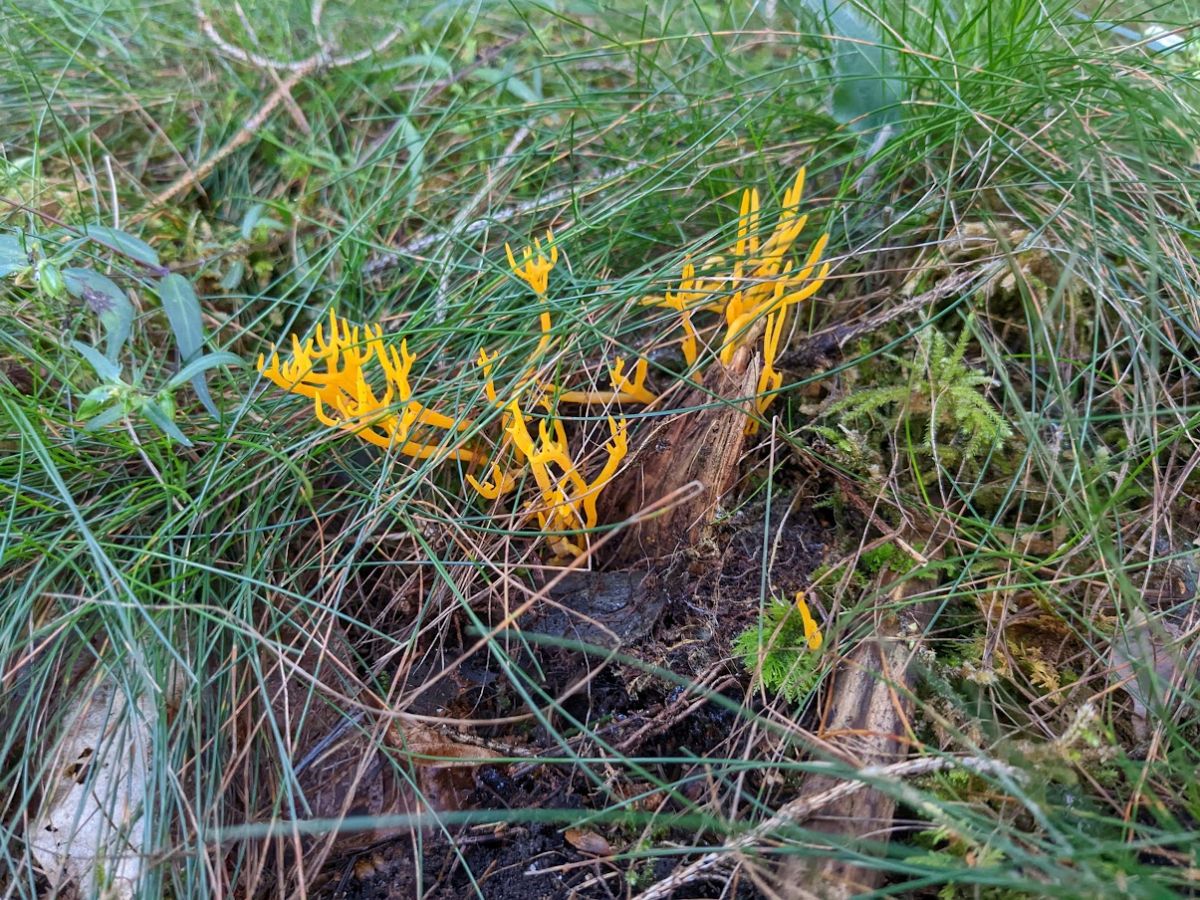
(803, 807)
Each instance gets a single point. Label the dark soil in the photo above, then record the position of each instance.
(681, 620)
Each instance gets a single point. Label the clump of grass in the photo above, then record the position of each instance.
(392, 184)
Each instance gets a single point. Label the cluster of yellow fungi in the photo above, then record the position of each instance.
(361, 384)
(759, 287)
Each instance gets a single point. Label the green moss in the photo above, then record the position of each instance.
(776, 650)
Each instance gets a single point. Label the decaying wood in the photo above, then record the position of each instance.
(866, 716)
(703, 445)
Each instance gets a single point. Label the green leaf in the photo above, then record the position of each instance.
(105, 367)
(125, 244)
(233, 275)
(98, 398)
(867, 92)
(508, 82)
(254, 220)
(182, 307)
(414, 144)
(49, 278)
(163, 423)
(13, 257)
(104, 419)
(430, 60)
(105, 299)
(202, 364)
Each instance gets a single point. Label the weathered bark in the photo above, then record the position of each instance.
(703, 445)
(867, 718)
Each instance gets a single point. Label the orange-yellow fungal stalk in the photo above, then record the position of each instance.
(769, 380)
(812, 631)
(332, 370)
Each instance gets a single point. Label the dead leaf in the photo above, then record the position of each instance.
(1148, 662)
(588, 842)
(90, 829)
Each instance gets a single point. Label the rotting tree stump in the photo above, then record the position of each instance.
(701, 445)
(866, 718)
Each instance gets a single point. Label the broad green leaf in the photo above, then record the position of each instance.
(506, 81)
(12, 257)
(202, 364)
(867, 91)
(105, 367)
(182, 307)
(125, 243)
(414, 144)
(431, 60)
(256, 220)
(253, 214)
(155, 414)
(49, 278)
(233, 275)
(105, 299)
(104, 419)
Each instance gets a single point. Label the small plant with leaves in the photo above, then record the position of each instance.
(781, 649)
(939, 388)
(50, 260)
(115, 399)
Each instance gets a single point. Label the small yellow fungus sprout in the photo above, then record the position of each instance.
(812, 631)
(535, 266)
(485, 363)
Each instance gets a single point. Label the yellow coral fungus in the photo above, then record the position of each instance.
(684, 301)
(762, 281)
(566, 502)
(333, 372)
(343, 356)
(359, 383)
(534, 268)
(769, 380)
(626, 388)
(812, 631)
(633, 388)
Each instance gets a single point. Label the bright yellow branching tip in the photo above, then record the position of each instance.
(534, 268)
(763, 281)
(337, 374)
(812, 631)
